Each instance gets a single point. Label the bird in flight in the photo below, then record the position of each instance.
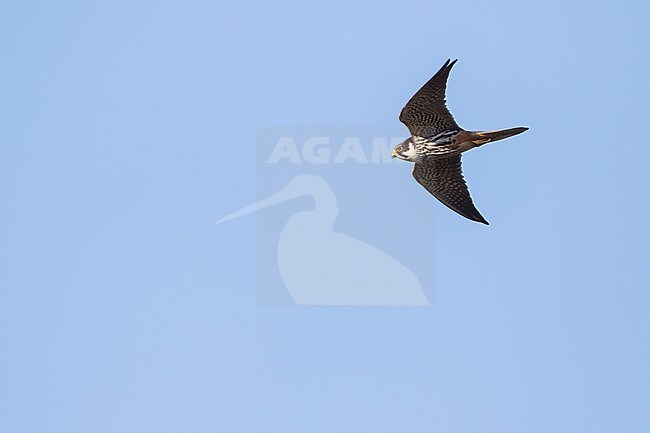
(436, 144)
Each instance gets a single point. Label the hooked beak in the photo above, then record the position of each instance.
(393, 154)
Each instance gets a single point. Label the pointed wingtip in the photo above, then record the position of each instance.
(476, 216)
(479, 219)
(450, 64)
(446, 68)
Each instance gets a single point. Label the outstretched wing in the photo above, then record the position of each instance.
(444, 179)
(426, 114)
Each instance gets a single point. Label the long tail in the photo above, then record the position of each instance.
(488, 136)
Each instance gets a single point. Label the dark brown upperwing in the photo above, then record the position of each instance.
(444, 179)
(426, 114)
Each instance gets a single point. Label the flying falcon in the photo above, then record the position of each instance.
(437, 142)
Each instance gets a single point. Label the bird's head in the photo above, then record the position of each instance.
(406, 151)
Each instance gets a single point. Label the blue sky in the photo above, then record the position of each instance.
(129, 129)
